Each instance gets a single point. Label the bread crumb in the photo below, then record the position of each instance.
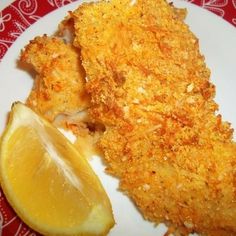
(190, 87)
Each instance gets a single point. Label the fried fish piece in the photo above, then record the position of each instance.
(59, 84)
(59, 87)
(150, 87)
(66, 29)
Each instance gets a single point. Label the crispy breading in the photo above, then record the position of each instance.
(150, 87)
(59, 88)
(59, 84)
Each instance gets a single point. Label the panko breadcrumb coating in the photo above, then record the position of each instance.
(59, 84)
(150, 87)
(59, 88)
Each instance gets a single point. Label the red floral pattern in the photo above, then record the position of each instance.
(224, 8)
(19, 16)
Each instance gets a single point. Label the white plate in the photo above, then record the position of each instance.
(218, 44)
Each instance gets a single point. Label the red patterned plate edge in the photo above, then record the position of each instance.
(18, 16)
(14, 20)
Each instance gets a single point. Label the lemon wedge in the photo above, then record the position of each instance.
(47, 181)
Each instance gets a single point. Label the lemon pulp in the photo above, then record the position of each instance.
(46, 180)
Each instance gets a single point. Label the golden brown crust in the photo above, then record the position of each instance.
(59, 84)
(150, 87)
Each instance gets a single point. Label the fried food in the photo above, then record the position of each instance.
(59, 87)
(59, 84)
(66, 29)
(150, 87)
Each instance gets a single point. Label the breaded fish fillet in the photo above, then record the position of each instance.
(150, 87)
(59, 84)
(59, 87)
